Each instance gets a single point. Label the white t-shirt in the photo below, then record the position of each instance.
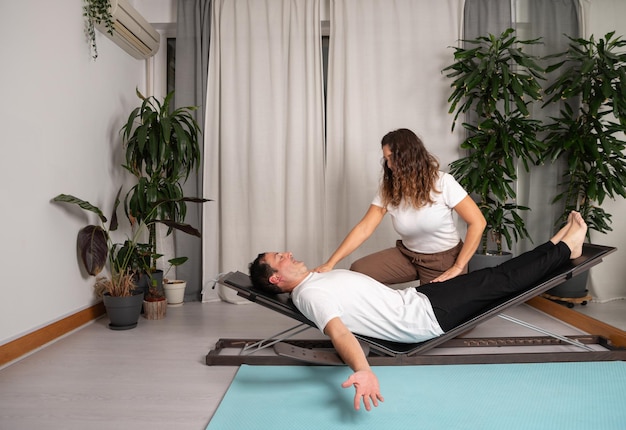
(431, 228)
(366, 306)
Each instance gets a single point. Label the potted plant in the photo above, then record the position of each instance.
(161, 150)
(174, 288)
(129, 263)
(121, 298)
(588, 133)
(494, 81)
(96, 12)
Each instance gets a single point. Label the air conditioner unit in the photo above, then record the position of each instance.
(131, 31)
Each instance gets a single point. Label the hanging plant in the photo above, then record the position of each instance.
(96, 12)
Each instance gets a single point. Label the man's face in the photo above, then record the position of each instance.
(287, 268)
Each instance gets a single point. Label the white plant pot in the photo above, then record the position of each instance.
(174, 292)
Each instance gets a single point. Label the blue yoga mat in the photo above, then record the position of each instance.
(551, 396)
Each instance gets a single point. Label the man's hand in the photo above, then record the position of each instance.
(366, 386)
(364, 380)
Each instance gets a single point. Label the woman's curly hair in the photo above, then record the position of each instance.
(414, 172)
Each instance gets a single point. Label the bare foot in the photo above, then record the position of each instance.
(575, 235)
(563, 231)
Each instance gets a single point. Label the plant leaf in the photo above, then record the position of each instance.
(92, 245)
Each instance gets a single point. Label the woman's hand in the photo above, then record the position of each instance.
(326, 267)
(448, 274)
(366, 386)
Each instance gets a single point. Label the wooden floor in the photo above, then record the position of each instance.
(154, 376)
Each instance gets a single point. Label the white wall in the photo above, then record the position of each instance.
(60, 117)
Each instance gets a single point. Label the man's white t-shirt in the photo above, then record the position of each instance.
(366, 306)
(431, 228)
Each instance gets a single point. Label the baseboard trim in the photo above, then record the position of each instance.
(25, 344)
(581, 321)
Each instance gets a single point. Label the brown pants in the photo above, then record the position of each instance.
(399, 264)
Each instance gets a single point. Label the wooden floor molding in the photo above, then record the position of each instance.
(25, 344)
(581, 321)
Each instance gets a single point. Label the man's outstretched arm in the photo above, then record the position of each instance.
(363, 379)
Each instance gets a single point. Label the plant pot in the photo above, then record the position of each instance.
(123, 312)
(573, 288)
(154, 309)
(490, 259)
(175, 292)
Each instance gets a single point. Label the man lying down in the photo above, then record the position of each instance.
(342, 302)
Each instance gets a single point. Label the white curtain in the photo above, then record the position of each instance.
(386, 58)
(264, 136)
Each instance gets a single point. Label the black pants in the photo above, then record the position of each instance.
(459, 299)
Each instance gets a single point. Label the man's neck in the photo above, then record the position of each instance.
(297, 281)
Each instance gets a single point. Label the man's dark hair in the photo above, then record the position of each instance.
(260, 273)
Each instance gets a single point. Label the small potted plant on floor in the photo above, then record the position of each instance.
(174, 288)
(97, 250)
(127, 262)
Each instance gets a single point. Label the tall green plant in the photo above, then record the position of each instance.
(161, 150)
(589, 129)
(494, 81)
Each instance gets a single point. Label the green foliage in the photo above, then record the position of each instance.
(96, 248)
(161, 150)
(494, 82)
(96, 12)
(589, 129)
(126, 260)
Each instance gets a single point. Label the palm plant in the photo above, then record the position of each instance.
(494, 81)
(589, 129)
(162, 148)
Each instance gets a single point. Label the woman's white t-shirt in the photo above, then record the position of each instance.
(366, 306)
(431, 228)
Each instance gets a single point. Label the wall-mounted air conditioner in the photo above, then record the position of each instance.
(131, 31)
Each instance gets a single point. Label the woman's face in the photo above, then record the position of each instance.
(388, 156)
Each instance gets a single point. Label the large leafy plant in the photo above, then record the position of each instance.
(97, 249)
(494, 81)
(161, 150)
(127, 261)
(589, 130)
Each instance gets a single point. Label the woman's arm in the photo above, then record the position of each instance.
(476, 223)
(356, 237)
(363, 379)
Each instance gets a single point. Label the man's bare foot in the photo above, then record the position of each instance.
(575, 235)
(563, 231)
